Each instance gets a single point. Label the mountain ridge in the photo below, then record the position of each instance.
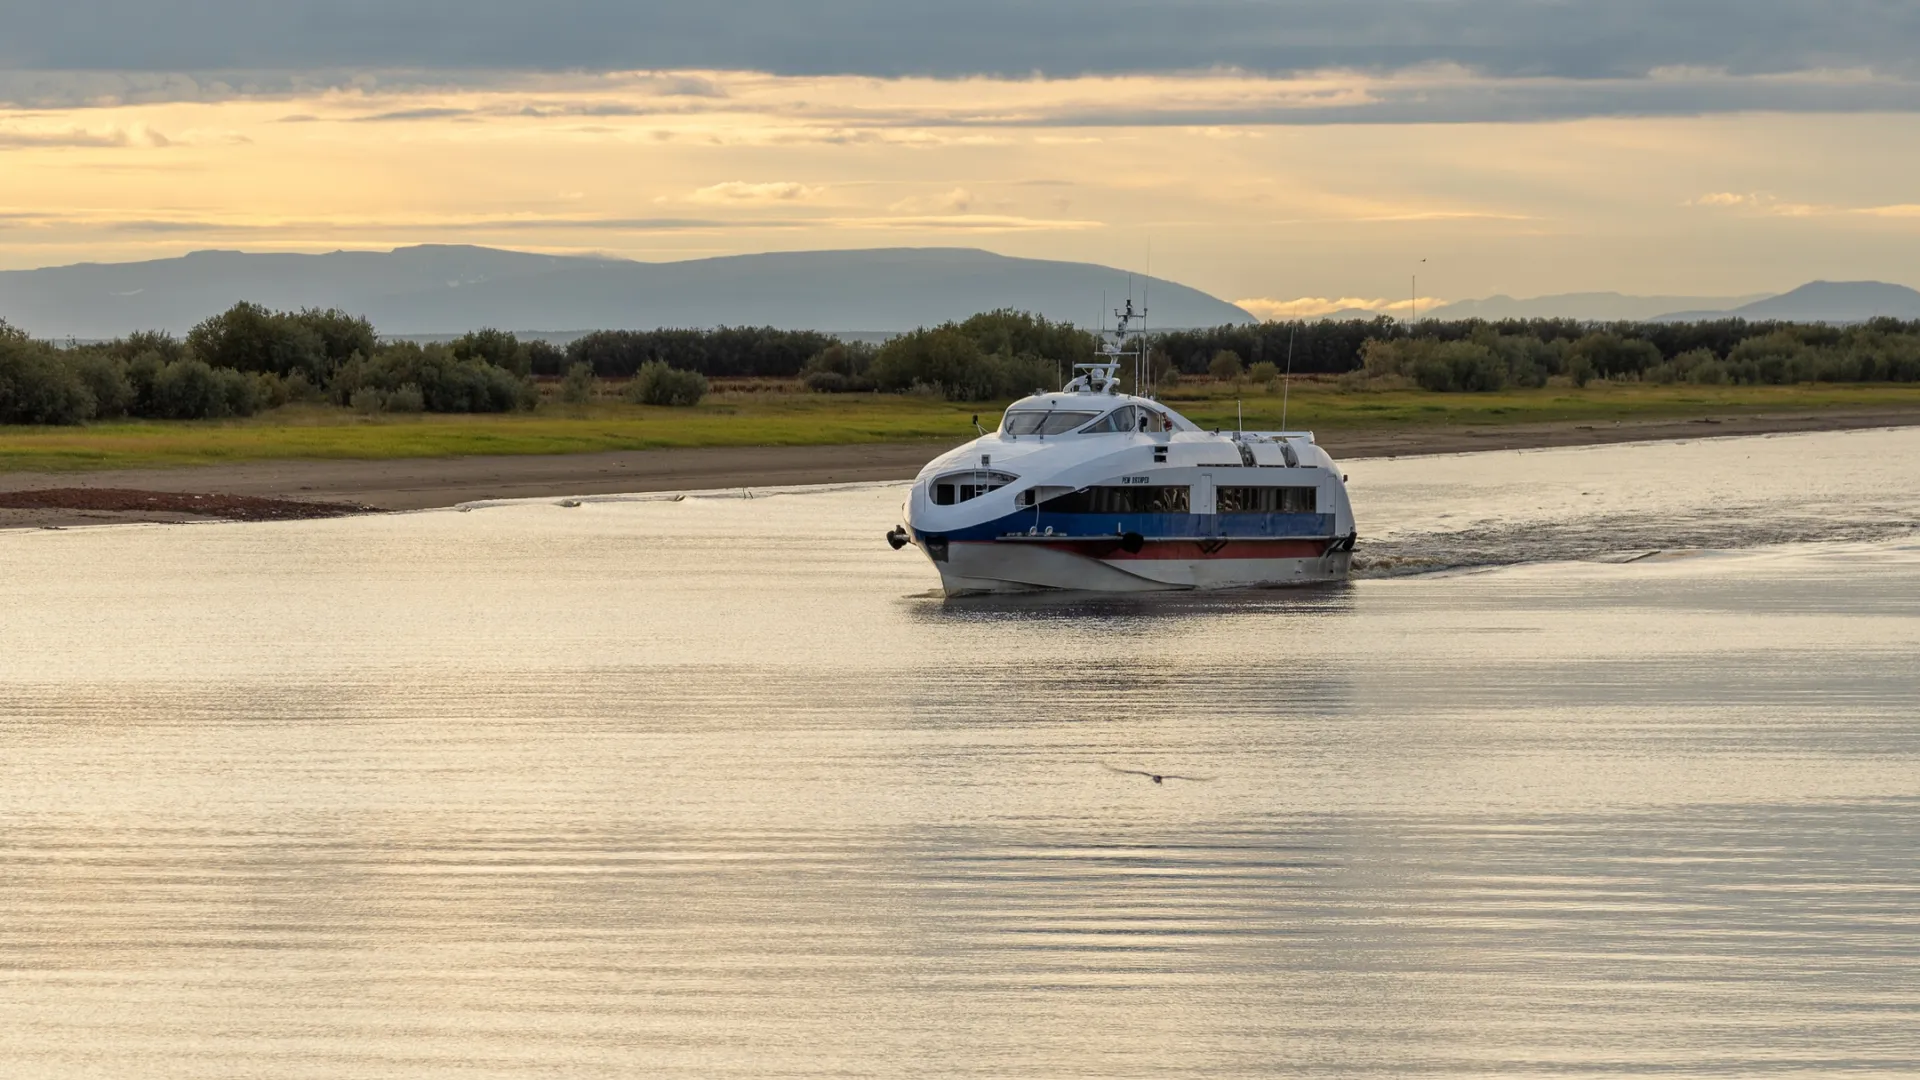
(442, 288)
(1589, 306)
(1820, 301)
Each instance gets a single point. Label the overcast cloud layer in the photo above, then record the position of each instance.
(1277, 151)
(1553, 38)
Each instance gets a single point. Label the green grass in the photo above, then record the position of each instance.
(1323, 407)
(791, 418)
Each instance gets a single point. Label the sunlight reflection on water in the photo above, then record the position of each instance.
(715, 788)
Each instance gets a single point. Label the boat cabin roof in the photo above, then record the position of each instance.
(1080, 413)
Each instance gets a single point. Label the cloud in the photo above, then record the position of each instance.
(69, 137)
(968, 223)
(414, 114)
(930, 111)
(1404, 61)
(956, 201)
(1317, 307)
(385, 226)
(402, 230)
(1629, 38)
(1768, 205)
(65, 89)
(738, 192)
(22, 138)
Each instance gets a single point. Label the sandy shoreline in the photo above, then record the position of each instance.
(421, 483)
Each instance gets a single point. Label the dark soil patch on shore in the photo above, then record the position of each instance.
(227, 507)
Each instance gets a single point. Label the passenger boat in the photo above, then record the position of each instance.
(1092, 489)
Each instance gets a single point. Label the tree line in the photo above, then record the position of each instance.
(249, 358)
(1478, 354)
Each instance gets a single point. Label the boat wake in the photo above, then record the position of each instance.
(1623, 538)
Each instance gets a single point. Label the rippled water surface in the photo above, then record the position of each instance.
(716, 787)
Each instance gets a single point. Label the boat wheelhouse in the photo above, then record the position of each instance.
(1092, 489)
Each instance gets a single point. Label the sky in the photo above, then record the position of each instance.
(1297, 157)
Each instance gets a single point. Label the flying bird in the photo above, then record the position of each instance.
(1157, 777)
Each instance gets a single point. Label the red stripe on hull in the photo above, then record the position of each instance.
(1194, 550)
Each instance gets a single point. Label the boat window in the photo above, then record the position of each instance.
(1265, 500)
(967, 486)
(1043, 421)
(1121, 500)
(1120, 419)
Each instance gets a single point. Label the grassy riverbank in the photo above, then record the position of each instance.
(767, 413)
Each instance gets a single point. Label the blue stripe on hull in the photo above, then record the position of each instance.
(1157, 526)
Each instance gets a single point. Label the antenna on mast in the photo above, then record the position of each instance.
(1142, 366)
(1126, 325)
(1286, 385)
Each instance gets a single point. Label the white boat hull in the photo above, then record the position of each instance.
(989, 567)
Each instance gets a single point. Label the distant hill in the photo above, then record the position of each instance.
(449, 289)
(1819, 301)
(1589, 306)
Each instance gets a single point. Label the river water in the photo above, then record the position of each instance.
(1608, 764)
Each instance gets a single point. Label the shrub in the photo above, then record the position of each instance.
(1459, 366)
(946, 361)
(446, 384)
(1009, 333)
(1684, 367)
(191, 389)
(545, 358)
(297, 388)
(1611, 355)
(1441, 366)
(496, 347)
(943, 358)
(657, 384)
(36, 387)
(1885, 355)
(1708, 373)
(833, 382)
(248, 337)
(1017, 376)
(142, 371)
(1264, 372)
(577, 387)
(1529, 361)
(1225, 365)
(1380, 357)
(840, 368)
(270, 391)
(1778, 357)
(407, 399)
(367, 400)
(105, 377)
(162, 344)
(726, 351)
(341, 335)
